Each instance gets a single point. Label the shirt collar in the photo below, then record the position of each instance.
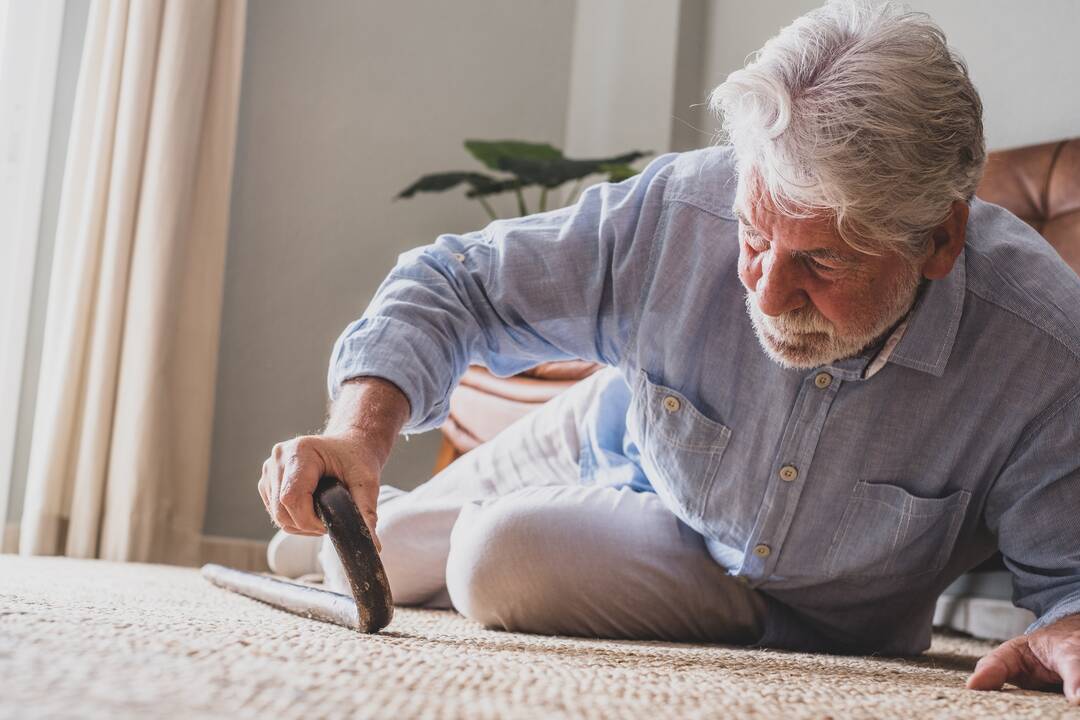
(931, 329)
(886, 350)
(867, 363)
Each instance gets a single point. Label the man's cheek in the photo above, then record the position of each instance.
(838, 310)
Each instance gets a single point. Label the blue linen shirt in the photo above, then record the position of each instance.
(849, 501)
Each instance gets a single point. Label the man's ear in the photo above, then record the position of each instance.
(947, 240)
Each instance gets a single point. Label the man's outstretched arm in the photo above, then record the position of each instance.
(561, 284)
(556, 285)
(1035, 511)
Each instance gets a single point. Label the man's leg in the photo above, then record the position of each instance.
(596, 562)
(414, 528)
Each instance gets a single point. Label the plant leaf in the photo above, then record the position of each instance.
(495, 188)
(552, 173)
(439, 182)
(529, 163)
(494, 152)
(618, 173)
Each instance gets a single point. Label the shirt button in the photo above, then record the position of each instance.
(459, 257)
(823, 380)
(672, 404)
(788, 473)
(762, 550)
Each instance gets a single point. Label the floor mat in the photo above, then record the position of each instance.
(96, 639)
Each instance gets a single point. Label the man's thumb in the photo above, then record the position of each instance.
(991, 672)
(367, 512)
(371, 520)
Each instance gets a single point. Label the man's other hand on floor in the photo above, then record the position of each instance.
(1047, 658)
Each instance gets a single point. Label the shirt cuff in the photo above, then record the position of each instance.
(399, 353)
(1068, 605)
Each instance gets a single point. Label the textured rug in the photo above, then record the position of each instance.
(96, 639)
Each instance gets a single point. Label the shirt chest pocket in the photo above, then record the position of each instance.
(680, 447)
(886, 531)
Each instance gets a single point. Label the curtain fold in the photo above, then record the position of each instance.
(120, 450)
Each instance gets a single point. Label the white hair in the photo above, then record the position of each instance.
(861, 111)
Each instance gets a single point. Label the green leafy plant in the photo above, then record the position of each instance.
(524, 165)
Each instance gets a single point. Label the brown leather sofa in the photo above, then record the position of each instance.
(1039, 183)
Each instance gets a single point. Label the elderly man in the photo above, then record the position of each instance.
(838, 382)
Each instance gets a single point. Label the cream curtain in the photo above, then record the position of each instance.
(120, 450)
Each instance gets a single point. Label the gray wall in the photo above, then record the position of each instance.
(1023, 56)
(343, 104)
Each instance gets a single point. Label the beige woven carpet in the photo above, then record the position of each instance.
(96, 639)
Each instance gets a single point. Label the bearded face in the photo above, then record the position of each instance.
(812, 298)
(804, 338)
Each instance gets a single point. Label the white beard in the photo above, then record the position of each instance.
(804, 338)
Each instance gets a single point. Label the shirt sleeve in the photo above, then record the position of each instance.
(1033, 509)
(556, 285)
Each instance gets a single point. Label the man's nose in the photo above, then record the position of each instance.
(779, 289)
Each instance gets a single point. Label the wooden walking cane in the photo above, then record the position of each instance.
(371, 606)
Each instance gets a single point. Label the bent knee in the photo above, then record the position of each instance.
(506, 562)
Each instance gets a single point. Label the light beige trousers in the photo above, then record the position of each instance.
(510, 537)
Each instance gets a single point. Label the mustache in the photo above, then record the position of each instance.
(801, 321)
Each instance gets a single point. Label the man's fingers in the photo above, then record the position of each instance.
(263, 493)
(1013, 662)
(1008, 662)
(280, 512)
(305, 533)
(293, 530)
(299, 480)
(292, 473)
(1068, 667)
(991, 672)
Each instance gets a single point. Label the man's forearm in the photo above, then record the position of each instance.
(372, 408)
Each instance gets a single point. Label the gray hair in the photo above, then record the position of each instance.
(861, 111)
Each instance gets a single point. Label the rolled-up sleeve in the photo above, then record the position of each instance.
(1034, 508)
(556, 285)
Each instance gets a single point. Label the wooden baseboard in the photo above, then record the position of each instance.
(240, 553)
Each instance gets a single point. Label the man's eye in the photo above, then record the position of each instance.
(819, 266)
(755, 241)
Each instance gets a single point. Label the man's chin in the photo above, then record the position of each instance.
(795, 354)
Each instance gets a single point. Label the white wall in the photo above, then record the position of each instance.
(1023, 56)
(343, 104)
